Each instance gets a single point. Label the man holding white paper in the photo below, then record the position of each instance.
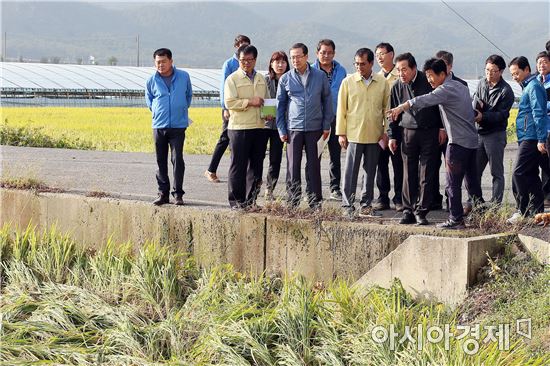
(304, 113)
(244, 94)
(363, 100)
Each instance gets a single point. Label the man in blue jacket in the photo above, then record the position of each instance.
(304, 114)
(168, 94)
(531, 130)
(543, 68)
(326, 49)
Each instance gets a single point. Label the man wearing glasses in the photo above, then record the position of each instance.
(360, 124)
(422, 132)
(492, 102)
(326, 49)
(229, 66)
(244, 93)
(304, 114)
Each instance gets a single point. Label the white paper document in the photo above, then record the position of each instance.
(321, 143)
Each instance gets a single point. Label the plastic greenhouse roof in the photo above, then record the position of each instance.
(16, 75)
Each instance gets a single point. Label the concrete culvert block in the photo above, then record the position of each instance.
(437, 269)
(540, 249)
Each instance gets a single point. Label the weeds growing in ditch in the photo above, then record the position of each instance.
(27, 183)
(65, 304)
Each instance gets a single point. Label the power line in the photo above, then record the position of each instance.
(474, 28)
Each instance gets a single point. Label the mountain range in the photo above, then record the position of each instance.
(201, 33)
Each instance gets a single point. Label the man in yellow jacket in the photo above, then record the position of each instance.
(244, 93)
(363, 100)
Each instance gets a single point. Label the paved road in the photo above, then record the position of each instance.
(132, 175)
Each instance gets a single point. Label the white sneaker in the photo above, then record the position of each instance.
(516, 218)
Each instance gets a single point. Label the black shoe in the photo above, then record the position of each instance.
(179, 200)
(421, 219)
(408, 218)
(162, 199)
(452, 225)
(380, 205)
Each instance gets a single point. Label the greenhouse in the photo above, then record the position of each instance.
(35, 84)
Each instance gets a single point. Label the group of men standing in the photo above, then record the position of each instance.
(400, 114)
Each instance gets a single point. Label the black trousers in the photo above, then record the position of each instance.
(275, 158)
(335, 166)
(460, 164)
(383, 175)
(544, 164)
(220, 147)
(173, 139)
(526, 184)
(245, 170)
(420, 152)
(438, 197)
(297, 140)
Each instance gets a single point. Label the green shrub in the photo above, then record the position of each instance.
(34, 137)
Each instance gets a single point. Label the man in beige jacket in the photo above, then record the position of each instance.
(244, 93)
(363, 100)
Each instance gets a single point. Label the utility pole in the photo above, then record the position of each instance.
(137, 43)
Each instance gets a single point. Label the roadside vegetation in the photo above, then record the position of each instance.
(63, 303)
(112, 129)
(27, 183)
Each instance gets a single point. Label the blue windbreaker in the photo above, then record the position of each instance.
(532, 120)
(169, 107)
(303, 107)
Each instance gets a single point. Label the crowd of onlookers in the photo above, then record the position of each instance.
(414, 116)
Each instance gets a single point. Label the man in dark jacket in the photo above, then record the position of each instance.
(422, 133)
(492, 101)
(543, 68)
(455, 107)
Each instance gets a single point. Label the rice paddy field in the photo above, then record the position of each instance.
(113, 129)
(64, 304)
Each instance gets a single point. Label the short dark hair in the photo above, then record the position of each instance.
(247, 49)
(388, 47)
(326, 42)
(365, 51)
(496, 60)
(541, 55)
(521, 61)
(300, 45)
(163, 52)
(407, 56)
(548, 46)
(445, 56)
(240, 38)
(437, 65)
(276, 56)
